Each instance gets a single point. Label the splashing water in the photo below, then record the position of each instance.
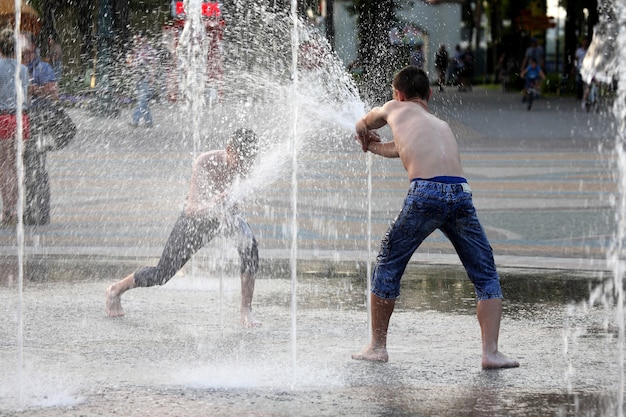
(20, 206)
(192, 61)
(294, 197)
(600, 60)
(259, 94)
(278, 73)
(604, 64)
(326, 98)
(300, 100)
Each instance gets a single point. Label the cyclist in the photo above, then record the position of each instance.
(533, 74)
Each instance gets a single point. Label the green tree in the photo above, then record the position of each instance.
(582, 15)
(375, 54)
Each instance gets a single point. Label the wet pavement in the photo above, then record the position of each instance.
(181, 351)
(543, 185)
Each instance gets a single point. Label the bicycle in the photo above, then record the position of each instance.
(532, 94)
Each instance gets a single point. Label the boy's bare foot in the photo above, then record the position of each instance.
(113, 302)
(371, 354)
(248, 319)
(498, 361)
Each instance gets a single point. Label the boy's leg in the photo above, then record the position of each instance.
(382, 309)
(472, 246)
(114, 294)
(185, 239)
(247, 291)
(247, 248)
(489, 313)
(419, 215)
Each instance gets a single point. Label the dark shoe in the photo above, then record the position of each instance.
(132, 124)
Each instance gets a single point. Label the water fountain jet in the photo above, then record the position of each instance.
(605, 61)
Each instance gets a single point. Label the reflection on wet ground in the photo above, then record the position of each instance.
(447, 289)
(180, 349)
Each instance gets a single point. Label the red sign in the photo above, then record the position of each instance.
(209, 9)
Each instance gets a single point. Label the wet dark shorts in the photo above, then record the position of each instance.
(188, 235)
(429, 206)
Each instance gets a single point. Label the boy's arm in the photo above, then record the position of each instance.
(374, 119)
(386, 149)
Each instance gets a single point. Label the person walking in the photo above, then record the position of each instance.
(441, 64)
(439, 197)
(43, 96)
(143, 62)
(55, 56)
(466, 72)
(534, 51)
(207, 212)
(9, 65)
(582, 88)
(458, 64)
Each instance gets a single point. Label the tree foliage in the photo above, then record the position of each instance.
(375, 55)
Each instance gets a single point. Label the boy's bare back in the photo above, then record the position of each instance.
(425, 144)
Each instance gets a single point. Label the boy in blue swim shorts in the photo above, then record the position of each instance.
(438, 198)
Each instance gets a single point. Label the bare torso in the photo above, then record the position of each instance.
(212, 175)
(425, 144)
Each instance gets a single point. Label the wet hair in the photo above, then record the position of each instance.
(245, 143)
(413, 82)
(7, 42)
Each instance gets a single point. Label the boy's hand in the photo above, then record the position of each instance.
(364, 138)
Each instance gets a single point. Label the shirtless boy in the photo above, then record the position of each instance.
(438, 198)
(207, 212)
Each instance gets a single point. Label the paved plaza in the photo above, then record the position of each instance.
(543, 184)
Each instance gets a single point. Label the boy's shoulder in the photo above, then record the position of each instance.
(214, 155)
